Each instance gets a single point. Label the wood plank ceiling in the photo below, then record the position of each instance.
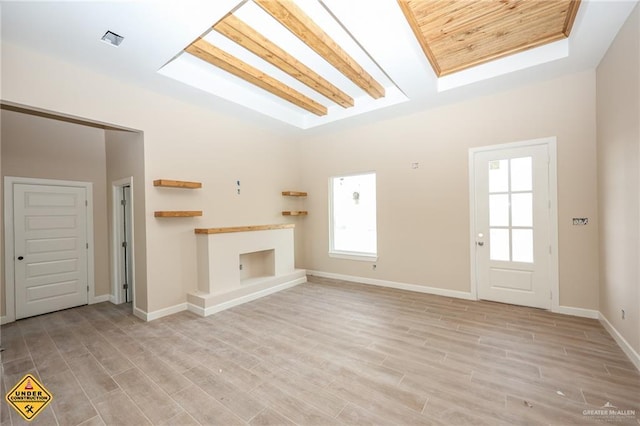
(454, 34)
(459, 34)
(288, 14)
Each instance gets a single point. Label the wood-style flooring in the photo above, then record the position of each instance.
(324, 353)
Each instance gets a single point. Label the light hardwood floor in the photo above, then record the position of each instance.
(323, 353)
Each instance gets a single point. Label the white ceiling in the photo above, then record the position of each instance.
(156, 31)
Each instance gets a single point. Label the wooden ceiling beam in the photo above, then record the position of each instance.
(221, 59)
(296, 21)
(244, 35)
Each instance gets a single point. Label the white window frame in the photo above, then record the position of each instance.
(350, 255)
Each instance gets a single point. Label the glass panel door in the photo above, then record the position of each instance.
(512, 224)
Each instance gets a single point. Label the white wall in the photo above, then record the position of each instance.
(423, 214)
(618, 79)
(181, 141)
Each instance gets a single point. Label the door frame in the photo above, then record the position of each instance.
(9, 246)
(551, 143)
(116, 222)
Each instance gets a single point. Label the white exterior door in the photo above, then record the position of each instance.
(512, 225)
(50, 248)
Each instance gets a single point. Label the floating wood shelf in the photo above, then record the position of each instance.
(178, 213)
(295, 213)
(243, 228)
(167, 183)
(294, 193)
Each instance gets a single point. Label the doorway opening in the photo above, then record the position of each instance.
(123, 282)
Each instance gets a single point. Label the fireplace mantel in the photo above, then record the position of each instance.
(242, 263)
(243, 228)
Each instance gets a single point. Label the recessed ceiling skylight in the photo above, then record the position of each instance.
(112, 38)
(292, 61)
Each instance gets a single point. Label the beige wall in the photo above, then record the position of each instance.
(618, 81)
(181, 141)
(2, 278)
(38, 147)
(125, 158)
(423, 214)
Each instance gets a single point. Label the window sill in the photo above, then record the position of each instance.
(363, 257)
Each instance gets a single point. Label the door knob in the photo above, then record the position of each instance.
(480, 243)
(20, 257)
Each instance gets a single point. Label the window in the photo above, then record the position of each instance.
(352, 220)
(511, 210)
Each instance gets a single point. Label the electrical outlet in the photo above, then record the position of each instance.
(622, 311)
(241, 266)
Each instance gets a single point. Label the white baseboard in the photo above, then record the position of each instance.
(622, 342)
(100, 299)
(112, 299)
(196, 309)
(577, 312)
(392, 284)
(140, 314)
(150, 316)
(4, 320)
(244, 299)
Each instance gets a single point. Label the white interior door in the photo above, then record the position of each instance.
(512, 225)
(50, 248)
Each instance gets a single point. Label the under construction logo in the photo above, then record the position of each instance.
(29, 397)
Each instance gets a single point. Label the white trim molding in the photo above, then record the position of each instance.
(116, 229)
(363, 257)
(137, 312)
(397, 285)
(150, 316)
(244, 299)
(576, 312)
(100, 299)
(621, 341)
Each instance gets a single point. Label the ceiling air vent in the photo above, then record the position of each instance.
(112, 38)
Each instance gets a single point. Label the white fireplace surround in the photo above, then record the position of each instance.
(240, 264)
